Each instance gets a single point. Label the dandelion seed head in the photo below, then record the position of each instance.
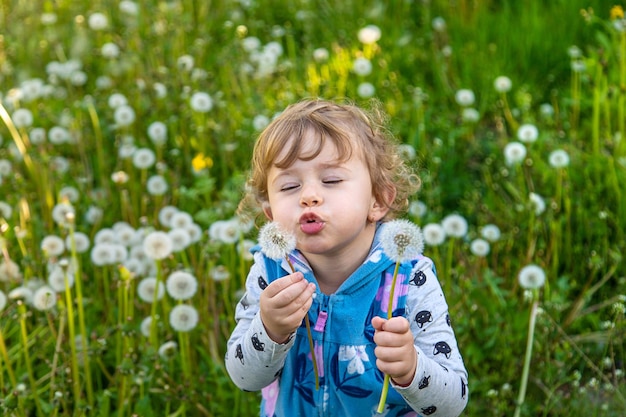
(157, 245)
(157, 132)
(181, 285)
(22, 118)
(538, 203)
(3, 300)
(22, 293)
(183, 318)
(321, 55)
(479, 247)
(503, 84)
(514, 153)
(219, 273)
(147, 288)
(168, 350)
(454, 225)
(527, 133)
(464, 97)
(401, 240)
(201, 102)
(369, 34)
(144, 158)
(98, 21)
(362, 66)
(531, 277)
(366, 90)
(157, 185)
(558, 158)
(491, 232)
(124, 116)
(276, 243)
(52, 246)
(180, 238)
(44, 298)
(434, 234)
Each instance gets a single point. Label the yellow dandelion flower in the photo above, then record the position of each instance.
(200, 162)
(617, 12)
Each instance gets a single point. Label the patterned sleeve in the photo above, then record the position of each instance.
(440, 384)
(253, 360)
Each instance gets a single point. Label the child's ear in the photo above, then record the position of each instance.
(267, 210)
(380, 209)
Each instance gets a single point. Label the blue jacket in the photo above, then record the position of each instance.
(350, 382)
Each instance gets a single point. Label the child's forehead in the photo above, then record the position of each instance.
(312, 143)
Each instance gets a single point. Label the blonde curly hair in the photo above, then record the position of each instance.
(353, 131)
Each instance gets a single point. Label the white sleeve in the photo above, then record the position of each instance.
(440, 384)
(253, 360)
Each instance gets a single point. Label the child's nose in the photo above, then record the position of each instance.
(310, 196)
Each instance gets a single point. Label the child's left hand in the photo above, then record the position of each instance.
(395, 354)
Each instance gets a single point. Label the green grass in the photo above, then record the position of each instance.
(577, 362)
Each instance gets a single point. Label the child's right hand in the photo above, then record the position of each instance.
(284, 303)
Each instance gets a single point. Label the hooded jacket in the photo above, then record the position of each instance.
(350, 384)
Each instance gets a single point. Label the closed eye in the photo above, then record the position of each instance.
(289, 187)
(333, 181)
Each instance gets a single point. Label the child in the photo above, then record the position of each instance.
(329, 174)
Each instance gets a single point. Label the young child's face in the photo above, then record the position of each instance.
(326, 203)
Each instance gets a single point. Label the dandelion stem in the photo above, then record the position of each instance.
(5, 357)
(81, 315)
(307, 323)
(527, 357)
(383, 394)
(27, 359)
(72, 341)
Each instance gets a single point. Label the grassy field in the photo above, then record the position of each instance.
(129, 122)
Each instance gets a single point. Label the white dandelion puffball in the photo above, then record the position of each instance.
(168, 350)
(491, 232)
(527, 133)
(3, 300)
(144, 158)
(514, 153)
(98, 21)
(369, 34)
(58, 135)
(180, 239)
(157, 185)
(276, 243)
(479, 247)
(145, 325)
(401, 240)
(44, 298)
(157, 245)
(57, 279)
(362, 66)
(454, 225)
(22, 118)
(52, 246)
(124, 116)
(434, 235)
(558, 158)
(117, 100)
(165, 215)
(439, 24)
(219, 273)
(537, 202)
(110, 50)
(366, 90)
(183, 318)
(181, 219)
(181, 285)
(147, 289)
(37, 136)
(321, 55)
(417, 208)
(157, 132)
(531, 277)
(201, 102)
(260, 121)
(464, 97)
(503, 84)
